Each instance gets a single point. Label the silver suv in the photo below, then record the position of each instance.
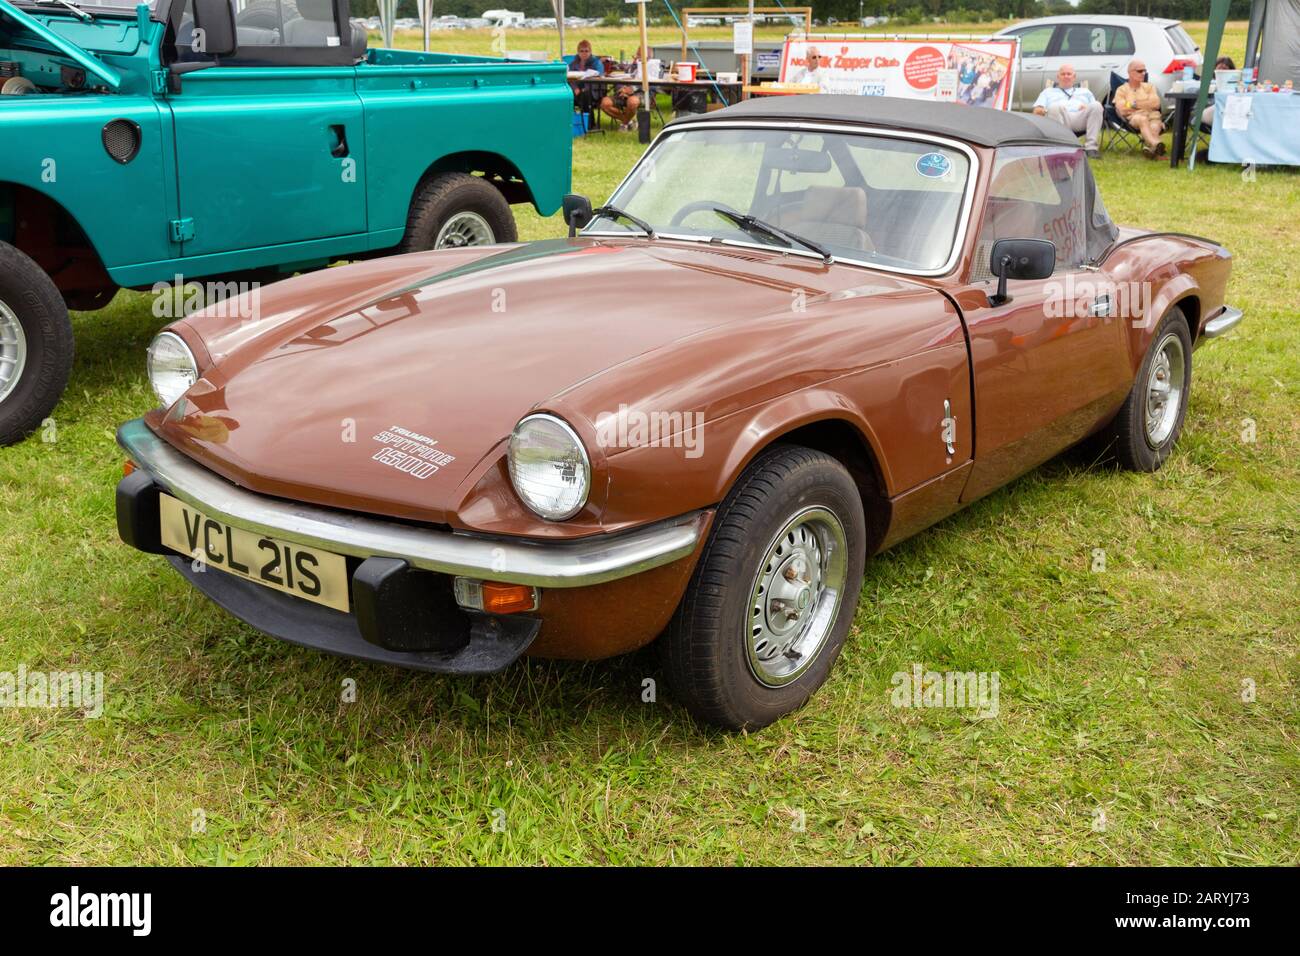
(1097, 46)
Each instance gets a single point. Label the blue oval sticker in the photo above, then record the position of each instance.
(933, 165)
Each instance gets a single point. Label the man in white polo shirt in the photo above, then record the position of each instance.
(1075, 107)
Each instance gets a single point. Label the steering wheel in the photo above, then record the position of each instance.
(698, 206)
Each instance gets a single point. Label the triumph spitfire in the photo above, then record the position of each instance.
(802, 329)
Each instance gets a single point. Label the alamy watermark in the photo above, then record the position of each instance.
(639, 428)
(223, 300)
(133, 911)
(1100, 297)
(963, 690)
(49, 690)
(1077, 298)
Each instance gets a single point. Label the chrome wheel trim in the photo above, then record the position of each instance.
(796, 596)
(1164, 397)
(13, 351)
(464, 229)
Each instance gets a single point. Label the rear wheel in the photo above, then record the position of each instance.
(35, 345)
(772, 599)
(451, 210)
(1151, 419)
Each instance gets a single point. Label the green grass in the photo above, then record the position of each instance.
(1120, 691)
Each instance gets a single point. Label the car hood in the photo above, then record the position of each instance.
(441, 364)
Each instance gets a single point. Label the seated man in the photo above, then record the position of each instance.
(1072, 106)
(582, 63)
(1138, 103)
(811, 74)
(621, 105)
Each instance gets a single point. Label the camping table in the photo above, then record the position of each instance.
(1182, 121)
(726, 93)
(1271, 137)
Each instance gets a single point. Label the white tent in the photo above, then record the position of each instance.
(426, 18)
(558, 7)
(1279, 41)
(387, 20)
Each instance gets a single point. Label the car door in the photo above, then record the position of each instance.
(1095, 50)
(1050, 364)
(270, 144)
(1035, 46)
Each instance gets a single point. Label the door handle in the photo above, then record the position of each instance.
(340, 147)
(1101, 305)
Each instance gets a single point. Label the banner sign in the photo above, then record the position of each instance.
(915, 69)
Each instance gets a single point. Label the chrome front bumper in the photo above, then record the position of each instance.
(1227, 320)
(561, 564)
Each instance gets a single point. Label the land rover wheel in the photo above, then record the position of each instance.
(772, 598)
(451, 210)
(35, 345)
(1151, 418)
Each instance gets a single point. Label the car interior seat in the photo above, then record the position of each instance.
(360, 40)
(834, 214)
(314, 26)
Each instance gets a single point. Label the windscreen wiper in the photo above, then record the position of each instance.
(754, 224)
(613, 212)
(82, 14)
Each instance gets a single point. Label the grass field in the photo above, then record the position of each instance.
(1124, 734)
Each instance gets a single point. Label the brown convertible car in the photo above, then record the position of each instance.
(802, 329)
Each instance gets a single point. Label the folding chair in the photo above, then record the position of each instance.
(1113, 128)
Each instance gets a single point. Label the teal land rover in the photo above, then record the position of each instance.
(238, 139)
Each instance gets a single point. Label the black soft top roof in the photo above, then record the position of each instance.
(973, 124)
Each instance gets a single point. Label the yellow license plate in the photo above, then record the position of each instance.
(304, 572)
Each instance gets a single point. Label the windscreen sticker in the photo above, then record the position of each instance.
(410, 452)
(933, 165)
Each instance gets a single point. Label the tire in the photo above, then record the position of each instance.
(1140, 438)
(713, 650)
(36, 345)
(456, 209)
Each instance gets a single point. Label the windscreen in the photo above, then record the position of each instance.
(872, 199)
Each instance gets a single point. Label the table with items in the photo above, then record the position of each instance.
(1260, 128)
(709, 90)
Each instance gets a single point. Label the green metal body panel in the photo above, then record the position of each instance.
(238, 169)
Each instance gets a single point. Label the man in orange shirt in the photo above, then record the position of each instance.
(1138, 104)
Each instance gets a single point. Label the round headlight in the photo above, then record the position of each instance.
(549, 467)
(172, 369)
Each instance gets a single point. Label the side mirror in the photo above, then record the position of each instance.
(1020, 259)
(214, 28)
(577, 212)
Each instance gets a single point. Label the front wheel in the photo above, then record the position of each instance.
(772, 599)
(1151, 418)
(451, 210)
(35, 345)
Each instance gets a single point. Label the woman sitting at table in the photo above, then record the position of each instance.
(584, 62)
(621, 105)
(1222, 63)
